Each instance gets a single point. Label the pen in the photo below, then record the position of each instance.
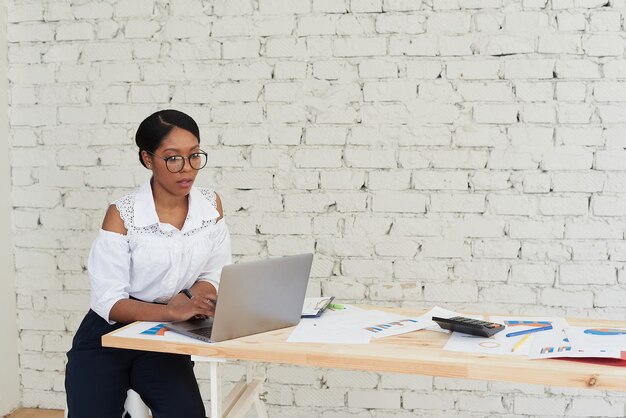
(520, 342)
(322, 304)
(528, 331)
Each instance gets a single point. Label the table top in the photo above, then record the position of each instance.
(419, 352)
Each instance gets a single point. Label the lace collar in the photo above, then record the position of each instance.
(200, 209)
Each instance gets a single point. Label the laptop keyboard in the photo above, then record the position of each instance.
(204, 331)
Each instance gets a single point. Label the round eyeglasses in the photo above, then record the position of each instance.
(176, 163)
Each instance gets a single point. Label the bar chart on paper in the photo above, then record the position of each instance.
(155, 330)
(390, 326)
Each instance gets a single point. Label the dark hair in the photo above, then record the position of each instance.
(158, 125)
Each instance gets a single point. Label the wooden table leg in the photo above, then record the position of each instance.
(216, 390)
(241, 397)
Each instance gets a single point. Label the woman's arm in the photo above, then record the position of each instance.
(218, 203)
(180, 308)
(204, 289)
(113, 221)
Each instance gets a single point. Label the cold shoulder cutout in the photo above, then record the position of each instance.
(113, 221)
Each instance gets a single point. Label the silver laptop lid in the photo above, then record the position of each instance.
(260, 296)
(254, 297)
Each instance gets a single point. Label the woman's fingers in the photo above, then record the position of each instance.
(204, 306)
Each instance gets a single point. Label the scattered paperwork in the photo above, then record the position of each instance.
(347, 324)
(543, 337)
(500, 343)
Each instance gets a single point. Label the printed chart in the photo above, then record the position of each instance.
(390, 326)
(155, 330)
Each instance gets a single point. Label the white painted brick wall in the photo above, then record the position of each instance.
(467, 153)
(537, 405)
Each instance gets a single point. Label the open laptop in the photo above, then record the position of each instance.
(254, 297)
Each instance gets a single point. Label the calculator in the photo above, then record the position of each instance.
(469, 326)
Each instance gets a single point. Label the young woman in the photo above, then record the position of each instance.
(158, 257)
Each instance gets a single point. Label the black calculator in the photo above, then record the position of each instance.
(469, 326)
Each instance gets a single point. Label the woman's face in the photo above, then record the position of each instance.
(177, 142)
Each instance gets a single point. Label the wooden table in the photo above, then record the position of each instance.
(418, 352)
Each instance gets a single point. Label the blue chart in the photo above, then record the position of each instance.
(561, 349)
(394, 324)
(537, 324)
(605, 331)
(155, 330)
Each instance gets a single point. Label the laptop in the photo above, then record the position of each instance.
(253, 297)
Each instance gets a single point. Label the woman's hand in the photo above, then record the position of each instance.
(200, 306)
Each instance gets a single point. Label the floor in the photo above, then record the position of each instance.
(36, 413)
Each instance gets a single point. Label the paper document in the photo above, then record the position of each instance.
(597, 337)
(385, 324)
(558, 344)
(332, 327)
(353, 325)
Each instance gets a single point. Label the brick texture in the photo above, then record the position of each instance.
(467, 153)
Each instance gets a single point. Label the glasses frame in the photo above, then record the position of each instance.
(185, 160)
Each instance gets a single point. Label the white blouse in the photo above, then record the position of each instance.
(154, 261)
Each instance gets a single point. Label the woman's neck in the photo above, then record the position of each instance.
(166, 201)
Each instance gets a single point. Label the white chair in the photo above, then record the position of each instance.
(133, 406)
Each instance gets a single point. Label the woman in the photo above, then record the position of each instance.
(158, 257)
